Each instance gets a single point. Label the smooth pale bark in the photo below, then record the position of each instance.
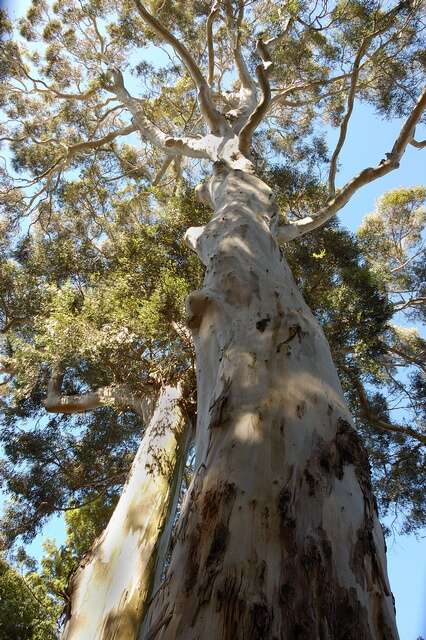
(112, 584)
(279, 536)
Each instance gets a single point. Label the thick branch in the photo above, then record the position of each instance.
(71, 151)
(214, 119)
(187, 146)
(69, 96)
(346, 118)
(298, 228)
(118, 395)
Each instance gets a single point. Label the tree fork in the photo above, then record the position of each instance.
(279, 535)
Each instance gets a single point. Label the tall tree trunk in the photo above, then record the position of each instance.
(279, 536)
(112, 584)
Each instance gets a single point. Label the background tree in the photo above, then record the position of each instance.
(27, 611)
(391, 242)
(363, 40)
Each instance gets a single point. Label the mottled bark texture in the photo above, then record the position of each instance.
(279, 536)
(111, 586)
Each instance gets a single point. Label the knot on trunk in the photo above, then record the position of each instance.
(197, 304)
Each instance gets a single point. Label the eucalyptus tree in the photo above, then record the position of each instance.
(278, 535)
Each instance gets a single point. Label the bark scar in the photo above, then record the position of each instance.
(217, 406)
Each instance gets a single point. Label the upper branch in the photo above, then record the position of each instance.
(72, 150)
(298, 228)
(99, 142)
(272, 42)
(262, 73)
(247, 95)
(419, 144)
(214, 119)
(210, 45)
(306, 86)
(59, 94)
(377, 421)
(347, 116)
(234, 26)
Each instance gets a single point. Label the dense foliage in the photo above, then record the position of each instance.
(27, 610)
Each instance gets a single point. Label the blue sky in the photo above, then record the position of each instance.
(368, 139)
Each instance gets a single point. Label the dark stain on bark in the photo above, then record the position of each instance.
(312, 603)
(365, 546)
(212, 531)
(121, 624)
(218, 545)
(287, 521)
(383, 628)
(261, 574)
(350, 617)
(262, 324)
(346, 448)
(192, 561)
(210, 505)
(352, 451)
(260, 621)
(265, 517)
(311, 482)
(301, 409)
(284, 500)
(328, 461)
(231, 604)
(255, 284)
(214, 498)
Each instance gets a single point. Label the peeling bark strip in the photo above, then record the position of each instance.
(278, 537)
(114, 580)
